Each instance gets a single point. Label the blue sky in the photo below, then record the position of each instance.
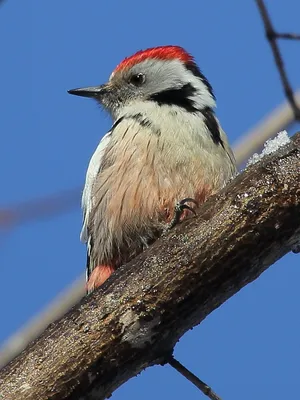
(249, 347)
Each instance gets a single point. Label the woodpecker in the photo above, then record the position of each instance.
(165, 145)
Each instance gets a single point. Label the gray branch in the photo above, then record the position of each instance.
(135, 319)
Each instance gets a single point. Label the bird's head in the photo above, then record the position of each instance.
(167, 75)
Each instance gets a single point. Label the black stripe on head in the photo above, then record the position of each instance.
(212, 125)
(180, 97)
(193, 67)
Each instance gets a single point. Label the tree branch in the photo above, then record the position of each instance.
(272, 37)
(135, 319)
(193, 379)
(289, 36)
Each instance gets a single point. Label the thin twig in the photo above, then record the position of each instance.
(272, 36)
(207, 390)
(291, 36)
(31, 210)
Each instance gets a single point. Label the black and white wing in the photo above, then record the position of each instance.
(87, 201)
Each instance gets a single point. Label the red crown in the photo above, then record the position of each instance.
(161, 53)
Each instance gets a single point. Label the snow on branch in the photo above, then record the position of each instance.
(270, 146)
(135, 319)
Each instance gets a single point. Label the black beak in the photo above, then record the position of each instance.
(93, 91)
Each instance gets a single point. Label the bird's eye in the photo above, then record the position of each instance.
(137, 79)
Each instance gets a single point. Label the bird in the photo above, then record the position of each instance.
(166, 149)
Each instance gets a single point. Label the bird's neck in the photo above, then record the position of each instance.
(156, 112)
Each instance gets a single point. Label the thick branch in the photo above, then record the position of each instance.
(137, 317)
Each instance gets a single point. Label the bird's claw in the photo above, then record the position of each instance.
(178, 210)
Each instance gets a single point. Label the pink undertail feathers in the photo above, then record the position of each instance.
(99, 275)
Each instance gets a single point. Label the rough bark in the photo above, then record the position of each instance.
(137, 317)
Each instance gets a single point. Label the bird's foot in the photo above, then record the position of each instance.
(179, 209)
(98, 276)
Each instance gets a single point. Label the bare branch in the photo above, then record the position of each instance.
(62, 303)
(272, 35)
(40, 208)
(290, 36)
(250, 142)
(135, 319)
(207, 390)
